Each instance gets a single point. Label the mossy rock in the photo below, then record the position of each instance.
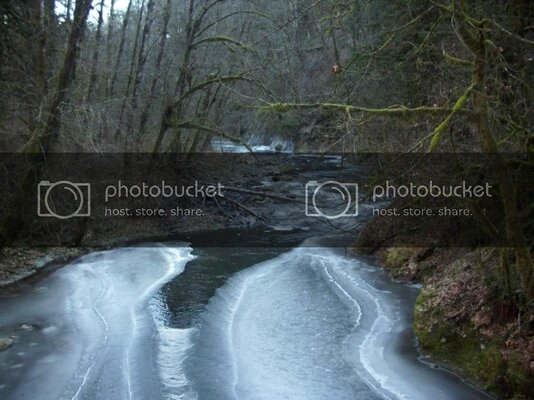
(358, 249)
(468, 353)
(5, 343)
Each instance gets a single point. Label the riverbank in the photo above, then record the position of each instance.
(23, 260)
(460, 321)
(22, 264)
(266, 192)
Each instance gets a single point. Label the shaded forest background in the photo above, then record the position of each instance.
(163, 75)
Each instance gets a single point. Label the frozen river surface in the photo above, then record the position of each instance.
(302, 325)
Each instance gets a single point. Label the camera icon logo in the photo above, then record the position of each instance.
(331, 199)
(63, 199)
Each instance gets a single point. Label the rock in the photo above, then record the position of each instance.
(26, 327)
(482, 346)
(285, 177)
(50, 330)
(5, 343)
(282, 228)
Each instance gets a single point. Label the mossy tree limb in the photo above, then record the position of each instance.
(202, 85)
(346, 108)
(458, 107)
(221, 39)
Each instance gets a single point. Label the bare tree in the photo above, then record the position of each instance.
(124, 30)
(157, 68)
(96, 52)
(49, 129)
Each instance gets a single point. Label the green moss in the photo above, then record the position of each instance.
(5, 343)
(396, 257)
(519, 379)
(458, 106)
(279, 107)
(467, 352)
(455, 60)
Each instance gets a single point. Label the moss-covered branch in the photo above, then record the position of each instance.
(222, 39)
(390, 111)
(200, 86)
(456, 60)
(458, 107)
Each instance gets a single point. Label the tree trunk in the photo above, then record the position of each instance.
(141, 61)
(48, 131)
(131, 73)
(124, 30)
(475, 40)
(96, 52)
(151, 97)
(111, 22)
(171, 112)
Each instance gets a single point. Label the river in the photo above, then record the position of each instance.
(265, 313)
(168, 321)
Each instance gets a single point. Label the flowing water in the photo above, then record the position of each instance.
(257, 143)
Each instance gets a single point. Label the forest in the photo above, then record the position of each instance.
(151, 76)
(356, 78)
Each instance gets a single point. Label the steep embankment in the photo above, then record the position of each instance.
(462, 322)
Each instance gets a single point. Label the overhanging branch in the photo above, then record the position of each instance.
(396, 110)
